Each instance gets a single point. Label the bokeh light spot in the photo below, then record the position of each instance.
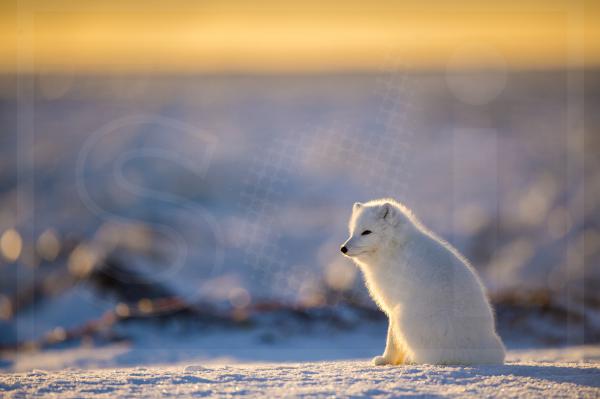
(476, 74)
(82, 260)
(340, 275)
(239, 298)
(48, 245)
(11, 245)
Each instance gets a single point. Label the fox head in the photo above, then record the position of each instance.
(373, 226)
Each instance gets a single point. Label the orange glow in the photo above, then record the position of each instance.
(230, 36)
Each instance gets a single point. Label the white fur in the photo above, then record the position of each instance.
(437, 308)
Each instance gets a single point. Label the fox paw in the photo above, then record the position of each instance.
(380, 361)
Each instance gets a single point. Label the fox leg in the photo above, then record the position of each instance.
(393, 354)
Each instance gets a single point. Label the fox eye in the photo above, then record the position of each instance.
(366, 232)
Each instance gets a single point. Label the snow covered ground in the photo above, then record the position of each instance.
(569, 372)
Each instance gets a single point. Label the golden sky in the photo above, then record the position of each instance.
(309, 36)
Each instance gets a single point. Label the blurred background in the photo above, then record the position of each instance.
(176, 177)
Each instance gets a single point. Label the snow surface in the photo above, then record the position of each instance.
(561, 373)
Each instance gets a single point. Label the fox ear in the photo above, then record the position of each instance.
(388, 212)
(356, 206)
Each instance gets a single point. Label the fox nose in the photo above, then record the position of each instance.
(344, 249)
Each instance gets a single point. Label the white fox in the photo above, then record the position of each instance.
(437, 307)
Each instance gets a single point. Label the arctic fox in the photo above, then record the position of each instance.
(437, 308)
